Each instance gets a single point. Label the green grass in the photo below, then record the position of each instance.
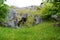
(44, 31)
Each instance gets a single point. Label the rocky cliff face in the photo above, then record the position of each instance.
(11, 18)
(15, 16)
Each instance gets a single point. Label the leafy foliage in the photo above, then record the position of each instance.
(50, 8)
(51, 1)
(2, 1)
(3, 11)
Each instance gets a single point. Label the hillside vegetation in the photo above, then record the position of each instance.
(44, 31)
(49, 29)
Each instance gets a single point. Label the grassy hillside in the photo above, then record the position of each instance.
(44, 31)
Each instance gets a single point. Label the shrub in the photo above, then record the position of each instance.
(3, 12)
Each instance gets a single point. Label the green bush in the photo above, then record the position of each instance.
(4, 9)
(51, 7)
(47, 11)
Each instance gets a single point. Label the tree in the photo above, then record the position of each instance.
(2, 1)
(51, 1)
(4, 9)
(51, 7)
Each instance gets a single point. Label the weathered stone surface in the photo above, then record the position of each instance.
(37, 19)
(23, 19)
(12, 18)
(55, 17)
(4, 24)
(13, 21)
